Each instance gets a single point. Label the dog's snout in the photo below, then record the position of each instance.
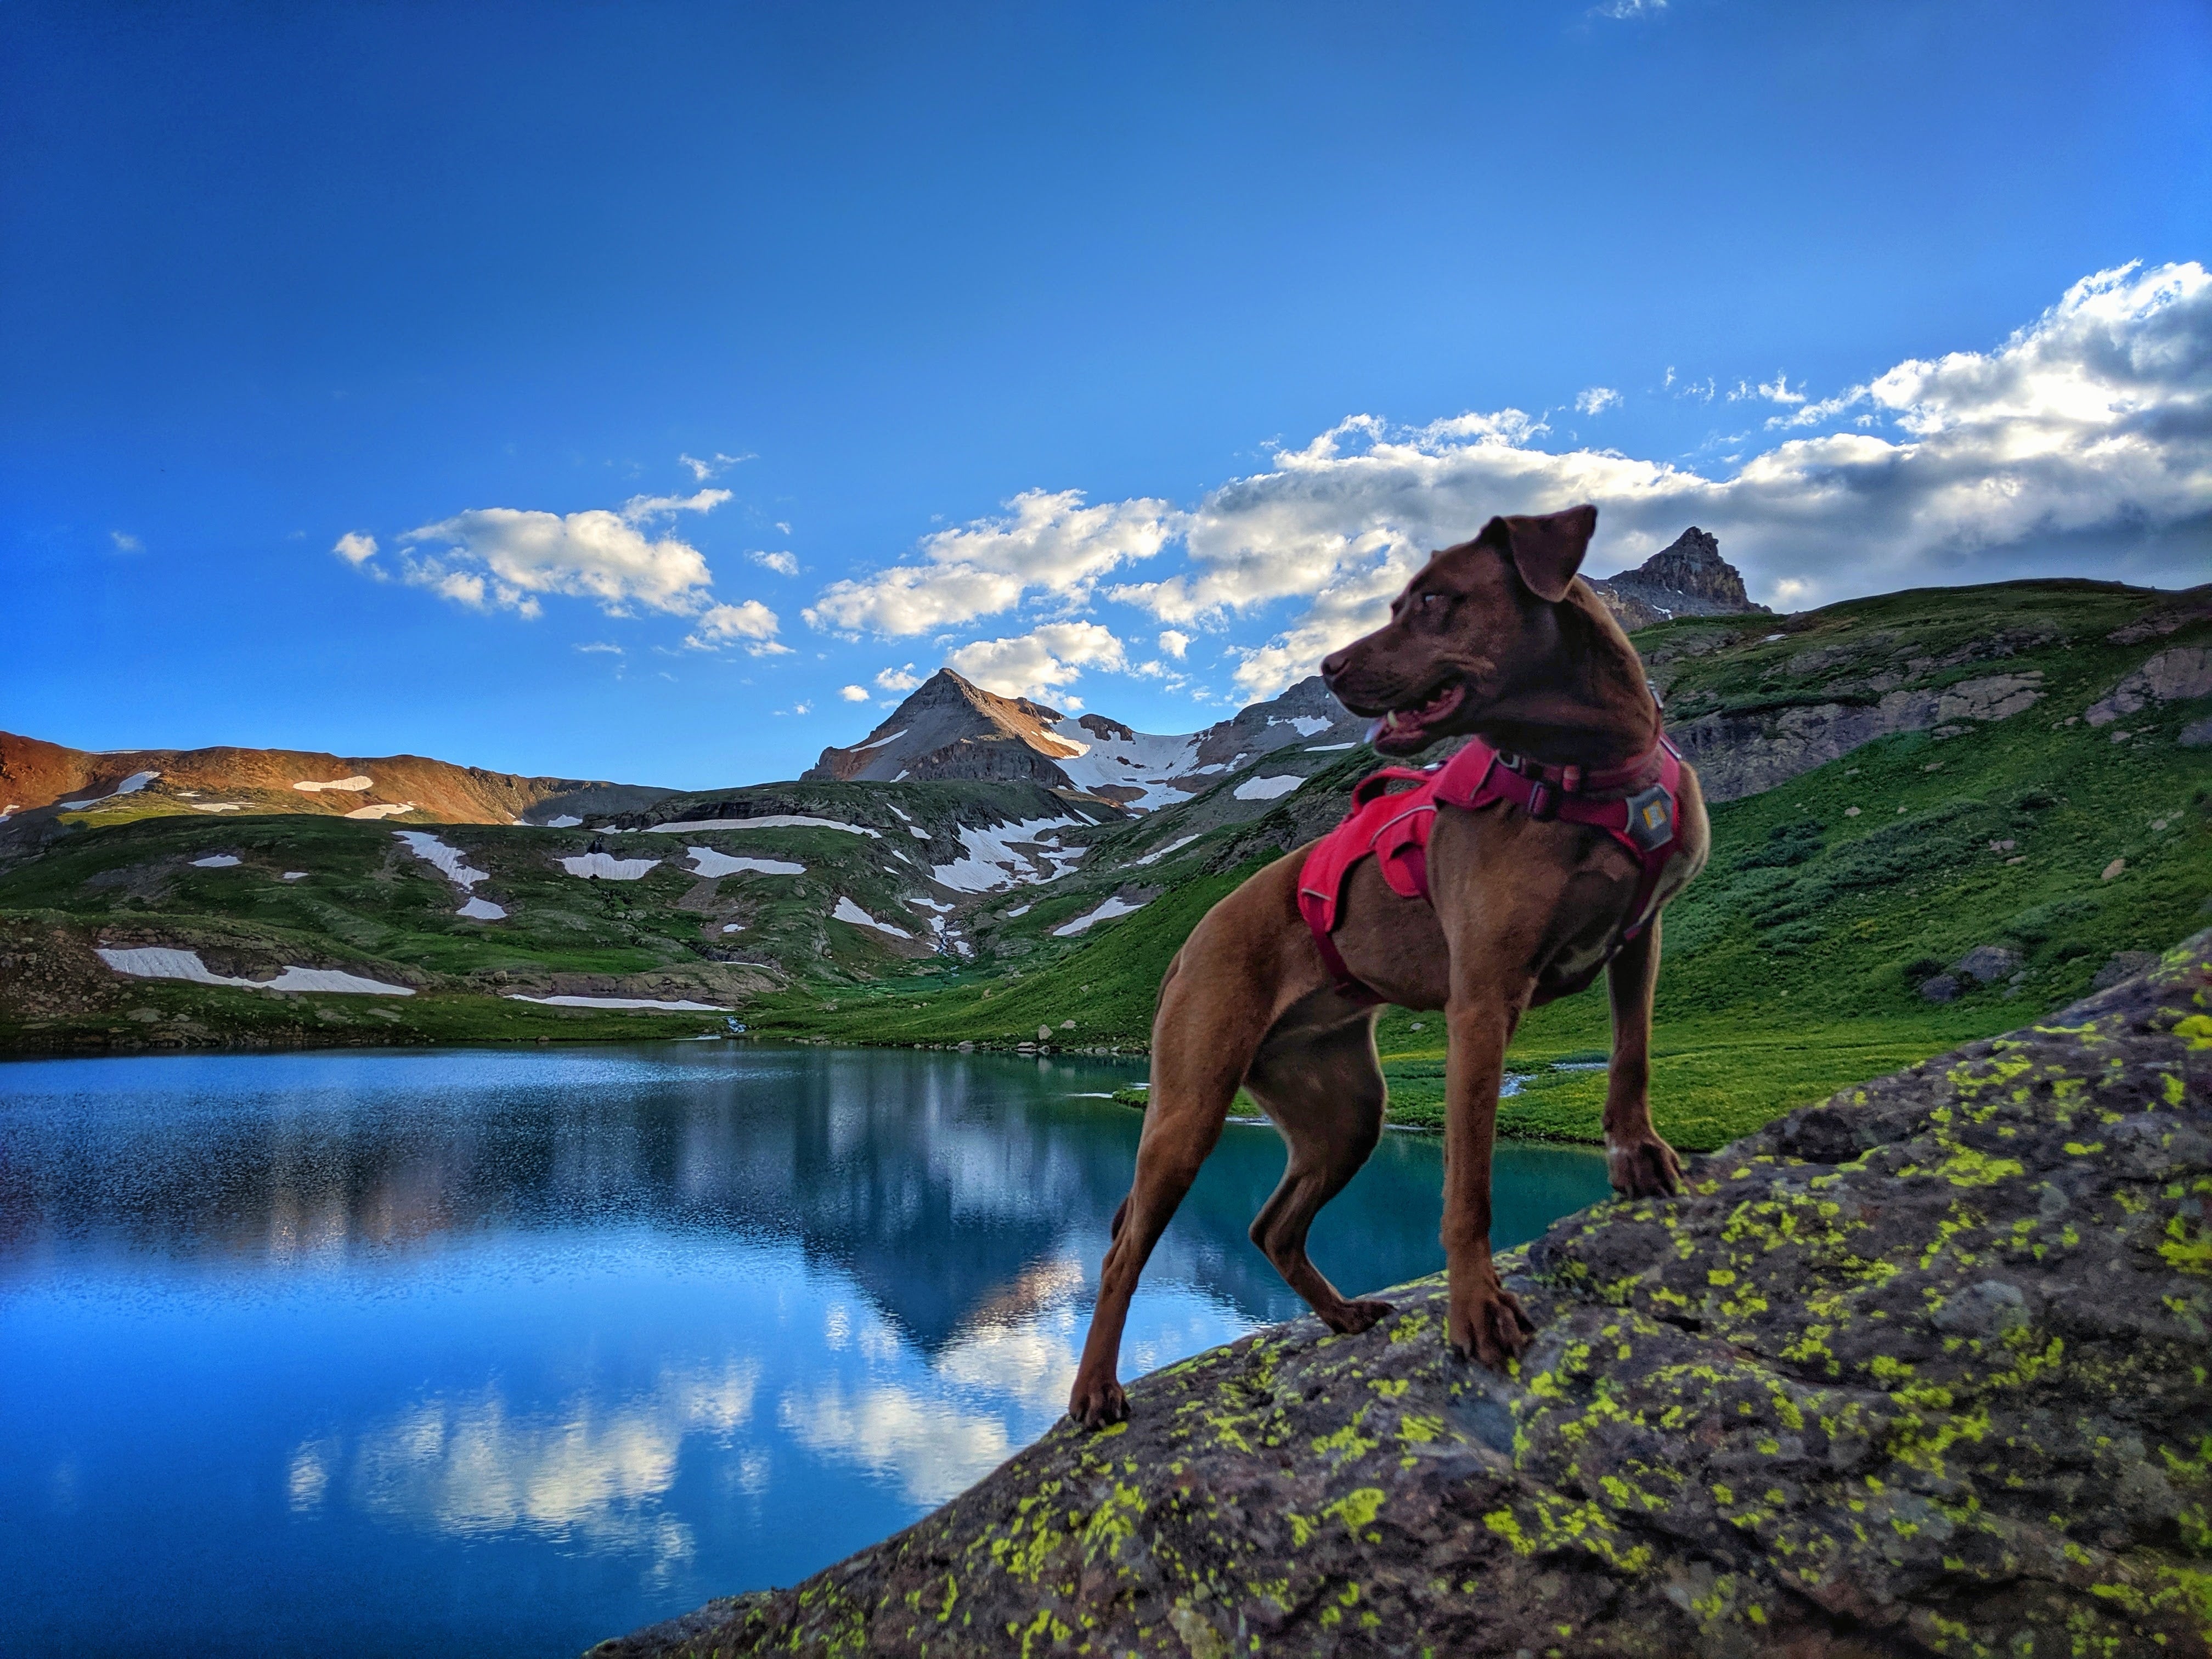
(1334, 665)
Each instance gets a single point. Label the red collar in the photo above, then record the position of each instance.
(1613, 781)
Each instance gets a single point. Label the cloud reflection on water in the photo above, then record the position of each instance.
(587, 1472)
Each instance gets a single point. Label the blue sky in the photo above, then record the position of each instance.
(1052, 341)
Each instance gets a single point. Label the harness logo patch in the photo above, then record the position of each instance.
(1651, 817)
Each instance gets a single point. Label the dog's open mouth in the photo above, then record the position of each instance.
(1402, 731)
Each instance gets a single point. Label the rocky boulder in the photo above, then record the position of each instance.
(2122, 965)
(2174, 675)
(1989, 964)
(1920, 1370)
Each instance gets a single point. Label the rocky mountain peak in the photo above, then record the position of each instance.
(1686, 578)
(1692, 564)
(945, 689)
(950, 727)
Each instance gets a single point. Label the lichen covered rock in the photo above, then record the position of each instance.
(1920, 1370)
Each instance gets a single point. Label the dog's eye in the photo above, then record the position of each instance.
(1428, 600)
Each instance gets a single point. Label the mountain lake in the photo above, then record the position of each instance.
(410, 1352)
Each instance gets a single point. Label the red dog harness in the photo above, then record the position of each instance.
(1634, 803)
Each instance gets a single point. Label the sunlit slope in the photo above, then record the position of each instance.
(47, 788)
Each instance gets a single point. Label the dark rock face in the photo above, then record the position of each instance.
(1307, 712)
(1739, 754)
(1921, 1370)
(1687, 578)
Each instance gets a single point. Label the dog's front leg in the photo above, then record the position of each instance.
(1486, 1319)
(1639, 1163)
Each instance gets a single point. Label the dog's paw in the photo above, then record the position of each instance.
(1096, 1403)
(1643, 1167)
(1492, 1326)
(1354, 1317)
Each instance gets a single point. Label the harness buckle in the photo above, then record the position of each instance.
(1540, 801)
(1651, 818)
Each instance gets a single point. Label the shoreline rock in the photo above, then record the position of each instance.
(1921, 1370)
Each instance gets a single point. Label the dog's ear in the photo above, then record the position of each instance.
(1547, 551)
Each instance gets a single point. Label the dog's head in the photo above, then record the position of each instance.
(1471, 624)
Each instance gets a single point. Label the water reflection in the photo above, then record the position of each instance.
(410, 1342)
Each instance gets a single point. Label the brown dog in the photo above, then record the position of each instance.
(1495, 637)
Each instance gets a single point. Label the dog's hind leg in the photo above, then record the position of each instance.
(1203, 1037)
(1325, 1092)
(1639, 1163)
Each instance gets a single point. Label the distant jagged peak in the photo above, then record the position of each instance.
(1686, 578)
(949, 727)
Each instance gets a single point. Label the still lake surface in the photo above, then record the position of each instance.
(422, 1352)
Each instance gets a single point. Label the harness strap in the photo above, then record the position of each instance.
(1635, 804)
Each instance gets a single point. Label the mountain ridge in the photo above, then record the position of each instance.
(950, 728)
(38, 781)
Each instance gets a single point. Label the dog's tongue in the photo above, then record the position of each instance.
(1376, 728)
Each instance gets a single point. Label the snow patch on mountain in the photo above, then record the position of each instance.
(994, 860)
(606, 867)
(773, 821)
(159, 962)
(1106, 912)
(848, 911)
(706, 861)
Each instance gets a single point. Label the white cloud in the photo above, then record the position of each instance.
(1175, 642)
(125, 542)
(1048, 541)
(601, 647)
(354, 546)
(499, 556)
(899, 679)
(463, 587)
(854, 693)
(1776, 390)
(1596, 399)
(728, 624)
(1624, 9)
(2090, 427)
(782, 564)
(639, 508)
(705, 469)
(1031, 664)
